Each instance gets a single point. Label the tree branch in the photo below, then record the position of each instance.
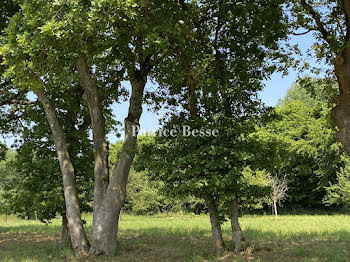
(306, 32)
(346, 7)
(317, 17)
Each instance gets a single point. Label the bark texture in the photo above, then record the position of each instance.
(275, 209)
(216, 232)
(192, 98)
(237, 235)
(104, 236)
(75, 225)
(101, 169)
(65, 237)
(341, 112)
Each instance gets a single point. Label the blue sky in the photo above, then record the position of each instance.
(278, 85)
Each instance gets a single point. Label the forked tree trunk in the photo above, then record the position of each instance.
(216, 232)
(65, 237)
(101, 170)
(80, 242)
(235, 226)
(104, 234)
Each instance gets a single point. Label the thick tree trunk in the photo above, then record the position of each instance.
(341, 113)
(235, 226)
(79, 240)
(101, 169)
(216, 233)
(65, 237)
(104, 236)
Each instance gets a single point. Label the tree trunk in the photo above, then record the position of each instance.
(101, 169)
(275, 209)
(104, 236)
(235, 226)
(65, 237)
(75, 225)
(341, 113)
(218, 240)
(191, 86)
(216, 233)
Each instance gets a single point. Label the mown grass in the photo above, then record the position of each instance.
(187, 238)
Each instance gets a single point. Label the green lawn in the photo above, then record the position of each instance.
(187, 238)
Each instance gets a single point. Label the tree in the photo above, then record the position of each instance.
(36, 161)
(140, 50)
(39, 188)
(28, 76)
(330, 20)
(279, 191)
(213, 78)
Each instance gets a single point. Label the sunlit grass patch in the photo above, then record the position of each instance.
(187, 238)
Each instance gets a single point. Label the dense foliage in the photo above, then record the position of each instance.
(69, 60)
(308, 151)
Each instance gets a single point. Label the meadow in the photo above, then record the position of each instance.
(187, 238)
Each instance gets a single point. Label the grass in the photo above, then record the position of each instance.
(187, 238)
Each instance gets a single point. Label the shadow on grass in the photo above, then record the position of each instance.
(174, 244)
(155, 244)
